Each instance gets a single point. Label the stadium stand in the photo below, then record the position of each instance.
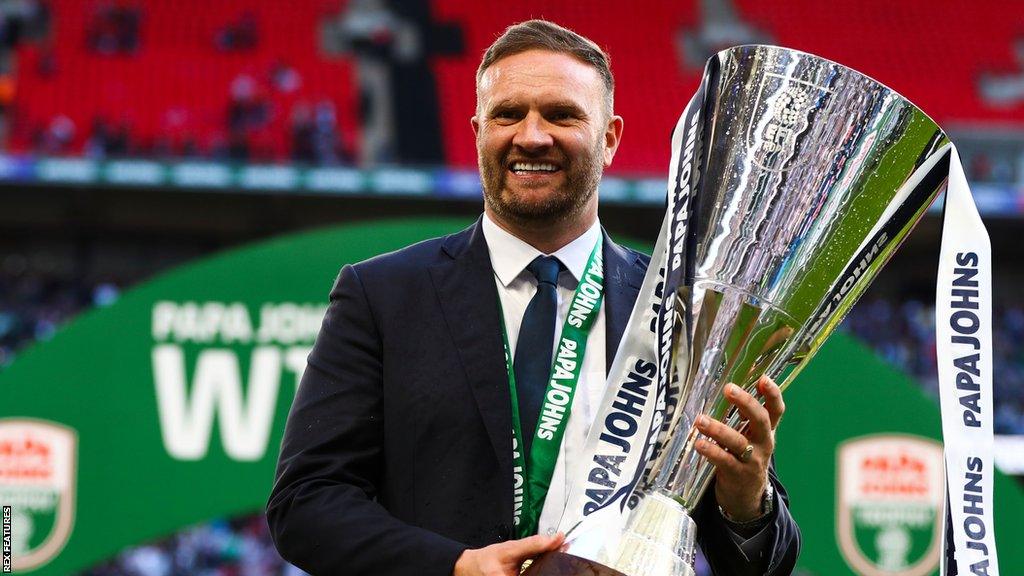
(265, 56)
(642, 57)
(930, 52)
(185, 84)
(902, 331)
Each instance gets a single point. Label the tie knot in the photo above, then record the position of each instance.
(545, 269)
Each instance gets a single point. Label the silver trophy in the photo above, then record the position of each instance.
(811, 175)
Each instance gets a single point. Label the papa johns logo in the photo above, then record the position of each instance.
(889, 504)
(38, 461)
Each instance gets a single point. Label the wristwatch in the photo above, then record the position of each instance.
(767, 507)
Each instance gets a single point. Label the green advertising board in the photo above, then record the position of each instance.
(167, 409)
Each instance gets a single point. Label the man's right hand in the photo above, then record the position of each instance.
(505, 558)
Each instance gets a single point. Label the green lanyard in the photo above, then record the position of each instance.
(531, 480)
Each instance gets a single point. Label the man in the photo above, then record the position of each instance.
(397, 457)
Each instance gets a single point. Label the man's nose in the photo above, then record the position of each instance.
(533, 133)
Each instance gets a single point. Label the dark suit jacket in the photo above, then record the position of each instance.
(397, 452)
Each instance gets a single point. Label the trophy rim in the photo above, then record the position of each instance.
(839, 65)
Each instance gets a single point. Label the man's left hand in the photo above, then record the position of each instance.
(740, 480)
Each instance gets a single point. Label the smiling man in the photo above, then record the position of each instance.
(450, 390)
(545, 132)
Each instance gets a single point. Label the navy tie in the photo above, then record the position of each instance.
(534, 346)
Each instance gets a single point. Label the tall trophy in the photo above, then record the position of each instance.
(803, 178)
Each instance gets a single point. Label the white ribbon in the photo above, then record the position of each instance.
(630, 420)
(963, 344)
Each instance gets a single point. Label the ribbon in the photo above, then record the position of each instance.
(532, 478)
(963, 345)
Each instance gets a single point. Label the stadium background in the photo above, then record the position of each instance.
(141, 136)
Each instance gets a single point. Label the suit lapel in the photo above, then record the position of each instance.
(469, 301)
(623, 275)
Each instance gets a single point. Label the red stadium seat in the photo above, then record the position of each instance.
(178, 83)
(932, 52)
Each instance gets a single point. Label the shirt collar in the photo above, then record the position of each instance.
(510, 255)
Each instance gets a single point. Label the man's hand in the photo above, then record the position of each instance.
(740, 481)
(505, 558)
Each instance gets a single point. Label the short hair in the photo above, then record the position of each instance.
(545, 35)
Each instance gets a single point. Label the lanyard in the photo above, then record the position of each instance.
(532, 478)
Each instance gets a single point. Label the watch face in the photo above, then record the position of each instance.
(768, 501)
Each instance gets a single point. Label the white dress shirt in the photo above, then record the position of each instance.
(516, 287)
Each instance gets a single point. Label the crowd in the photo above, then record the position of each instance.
(995, 164)
(268, 116)
(903, 333)
(114, 29)
(240, 547)
(313, 136)
(33, 305)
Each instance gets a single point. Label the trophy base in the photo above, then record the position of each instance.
(562, 564)
(657, 540)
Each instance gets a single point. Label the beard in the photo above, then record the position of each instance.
(567, 201)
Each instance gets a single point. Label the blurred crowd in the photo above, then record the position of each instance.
(33, 305)
(995, 164)
(263, 104)
(314, 136)
(903, 333)
(272, 115)
(20, 21)
(114, 29)
(239, 547)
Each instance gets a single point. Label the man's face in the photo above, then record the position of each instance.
(543, 137)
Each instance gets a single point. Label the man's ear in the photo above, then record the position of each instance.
(612, 137)
(476, 125)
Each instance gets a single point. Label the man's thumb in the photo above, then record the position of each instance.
(534, 545)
